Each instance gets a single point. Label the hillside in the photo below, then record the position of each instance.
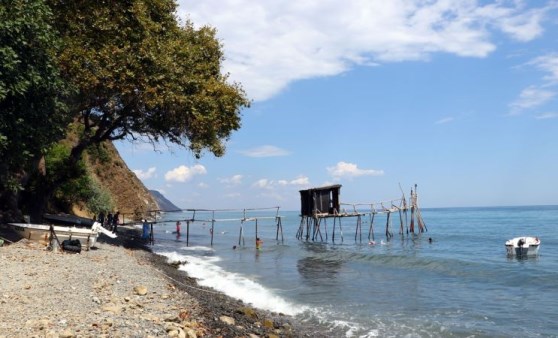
(163, 202)
(130, 196)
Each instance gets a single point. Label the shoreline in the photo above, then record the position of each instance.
(95, 294)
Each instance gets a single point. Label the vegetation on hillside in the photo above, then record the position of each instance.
(32, 110)
(117, 70)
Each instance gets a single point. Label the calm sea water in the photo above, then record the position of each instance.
(460, 285)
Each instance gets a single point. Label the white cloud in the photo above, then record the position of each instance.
(233, 180)
(144, 175)
(269, 44)
(301, 180)
(263, 183)
(265, 151)
(203, 185)
(184, 173)
(344, 169)
(523, 27)
(548, 63)
(531, 97)
(444, 120)
(545, 116)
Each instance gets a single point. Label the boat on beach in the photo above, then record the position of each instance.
(43, 233)
(523, 246)
(69, 220)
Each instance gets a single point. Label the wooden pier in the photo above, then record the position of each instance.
(210, 216)
(318, 205)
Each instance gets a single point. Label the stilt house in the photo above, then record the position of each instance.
(320, 201)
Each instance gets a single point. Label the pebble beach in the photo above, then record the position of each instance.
(117, 289)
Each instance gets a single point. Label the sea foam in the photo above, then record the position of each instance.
(207, 273)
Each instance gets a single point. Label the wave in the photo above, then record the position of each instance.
(205, 270)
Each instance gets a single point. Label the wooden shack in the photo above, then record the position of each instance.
(320, 201)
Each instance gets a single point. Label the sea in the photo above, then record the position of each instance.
(453, 280)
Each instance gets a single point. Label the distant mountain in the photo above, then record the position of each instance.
(163, 202)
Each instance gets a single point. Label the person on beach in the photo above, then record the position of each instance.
(259, 243)
(109, 221)
(115, 220)
(101, 218)
(145, 234)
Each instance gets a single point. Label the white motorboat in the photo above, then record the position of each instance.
(523, 246)
(42, 233)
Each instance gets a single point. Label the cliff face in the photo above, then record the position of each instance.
(131, 197)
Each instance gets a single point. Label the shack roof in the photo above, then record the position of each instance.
(326, 187)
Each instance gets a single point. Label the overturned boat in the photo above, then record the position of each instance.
(523, 246)
(69, 220)
(44, 234)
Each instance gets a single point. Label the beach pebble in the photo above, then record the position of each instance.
(67, 334)
(227, 320)
(140, 290)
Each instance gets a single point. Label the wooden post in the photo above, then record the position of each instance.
(212, 230)
(400, 222)
(325, 228)
(187, 232)
(341, 230)
(412, 203)
(371, 229)
(388, 233)
(212, 226)
(358, 229)
(333, 234)
(280, 227)
(300, 231)
(241, 230)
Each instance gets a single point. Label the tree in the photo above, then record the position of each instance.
(32, 115)
(139, 73)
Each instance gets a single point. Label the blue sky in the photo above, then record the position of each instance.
(459, 97)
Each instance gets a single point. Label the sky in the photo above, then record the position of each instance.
(456, 96)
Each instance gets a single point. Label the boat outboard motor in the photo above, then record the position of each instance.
(520, 251)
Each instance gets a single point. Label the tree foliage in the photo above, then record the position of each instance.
(140, 73)
(32, 115)
(134, 72)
